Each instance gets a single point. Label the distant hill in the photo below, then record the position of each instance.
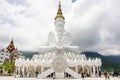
(108, 62)
(28, 54)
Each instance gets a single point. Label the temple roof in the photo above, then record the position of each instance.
(11, 46)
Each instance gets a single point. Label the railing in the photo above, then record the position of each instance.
(45, 73)
(73, 73)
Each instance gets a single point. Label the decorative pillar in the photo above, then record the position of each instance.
(22, 71)
(83, 69)
(19, 71)
(93, 70)
(35, 72)
(41, 69)
(26, 72)
(97, 70)
(76, 69)
(90, 70)
(54, 75)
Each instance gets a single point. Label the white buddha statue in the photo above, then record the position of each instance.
(60, 38)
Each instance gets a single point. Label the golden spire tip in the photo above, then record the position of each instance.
(59, 13)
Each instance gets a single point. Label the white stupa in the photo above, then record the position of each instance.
(59, 59)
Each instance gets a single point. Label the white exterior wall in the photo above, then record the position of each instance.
(3, 56)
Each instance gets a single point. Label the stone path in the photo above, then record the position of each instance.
(12, 78)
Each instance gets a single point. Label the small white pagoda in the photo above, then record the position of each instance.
(59, 59)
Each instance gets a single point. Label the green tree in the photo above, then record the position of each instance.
(9, 67)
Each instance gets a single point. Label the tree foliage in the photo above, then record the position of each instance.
(9, 67)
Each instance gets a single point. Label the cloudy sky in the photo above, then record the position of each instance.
(93, 24)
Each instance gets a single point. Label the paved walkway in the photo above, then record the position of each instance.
(12, 78)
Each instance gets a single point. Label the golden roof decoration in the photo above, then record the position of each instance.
(59, 13)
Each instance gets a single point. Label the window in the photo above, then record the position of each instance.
(1, 61)
(1, 57)
(2, 54)
(6, 54)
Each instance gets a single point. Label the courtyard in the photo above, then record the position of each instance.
(12, 78)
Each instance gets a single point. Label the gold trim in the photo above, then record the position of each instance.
(59, 13)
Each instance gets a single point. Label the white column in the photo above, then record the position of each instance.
(41, 69)
(76, 69)
(93, 70)
(64, 74)
(19, 71)
(83, 69)
(23, 71)
(90, 70)
(27, 71)
(97, 70)
(35, 71)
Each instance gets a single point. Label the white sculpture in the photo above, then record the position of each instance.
(59, 57)
(60, 38)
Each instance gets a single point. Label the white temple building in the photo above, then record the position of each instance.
(59, 59)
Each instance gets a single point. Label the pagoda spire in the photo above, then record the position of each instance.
(12, 42)
(59, 13)
(11, 46)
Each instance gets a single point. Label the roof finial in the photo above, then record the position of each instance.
(59, 4)
(12, 42)
(59, 13)
(11, 46)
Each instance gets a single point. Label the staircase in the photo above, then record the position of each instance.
(68, 70)
(73, 73)
(45, 73)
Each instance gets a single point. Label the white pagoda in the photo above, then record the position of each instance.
(59, 59)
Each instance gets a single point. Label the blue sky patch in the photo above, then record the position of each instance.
(73, 1)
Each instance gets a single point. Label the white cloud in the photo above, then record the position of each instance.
(94, 24)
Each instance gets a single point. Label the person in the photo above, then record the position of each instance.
(108, 77)
(113, 73)
(36, 73)
(95, 73)
(1, 71)
(99, 73)
(82, 75)
(105, 74)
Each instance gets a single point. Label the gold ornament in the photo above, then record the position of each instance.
(59, 13)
